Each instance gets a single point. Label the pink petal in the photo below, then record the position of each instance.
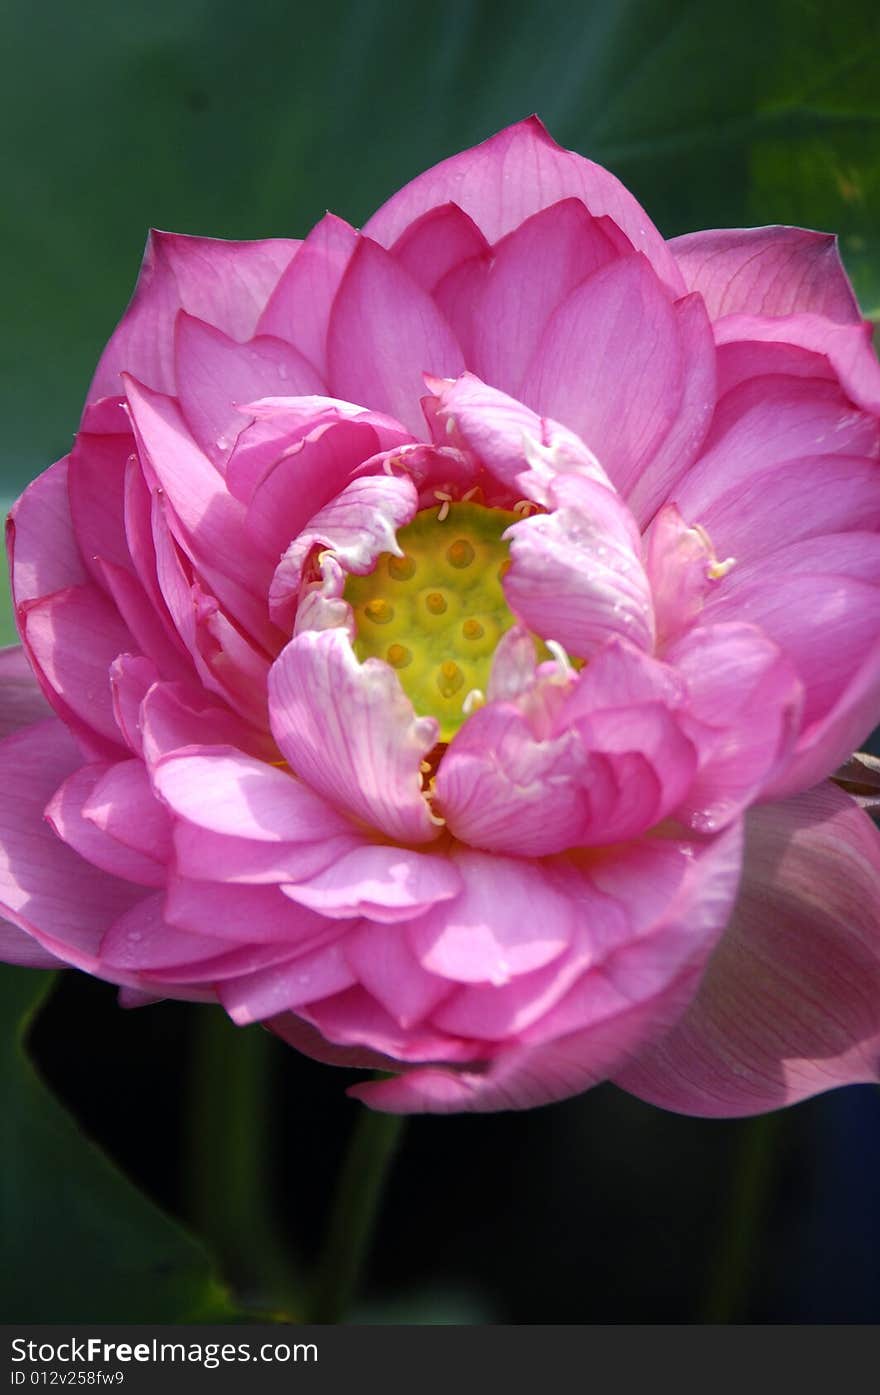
(623, 1006)
(45, 888)
(510, 918)
(386, 966)
(683, 569)
(204, 856)
(299, 309)
(140, 941)
(521, 449)
(790, 1005)
(44, 556)
(437, 243)
(122, 805)
(130, 679)
(216, 375)
(828, 742)
(173, 716)
(242, 914)
(66, 815)
(353, 1018)
(511, 176)
(281, 424)
(349, 731)
(209, 517)
(802, 498)
(848, 348)
(357, 526)
(305, 480)
(501, 788)
(819, 599)
(226, 284)
(458, 297)
(74, 636)
(148, 629)
(765, 422)
(576, 574)
(313, 975)
(21, 701)
(96, 493)
(533, 269)
(766, 271)
(684, 439)
(378, 882)
(385, 333)
(17, 947)
(226, 792)
(747, 698)
(620, 386)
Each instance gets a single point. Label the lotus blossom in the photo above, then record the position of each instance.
(438, 641)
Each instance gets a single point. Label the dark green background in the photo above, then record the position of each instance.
(208, 116)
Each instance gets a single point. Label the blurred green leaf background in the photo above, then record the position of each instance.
(206, 116)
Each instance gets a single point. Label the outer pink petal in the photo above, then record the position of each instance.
(315, 974)
(226, 792)
(510, 918)
(173, 716)
(299, 308)
(378, 882)
(802, 498)
(349, 731)
(216, 376)
(684, 439)
(790, 1005)
(122, 805)
(243, 914)
(633, 1002)
(747, 699)
(43, 551)
(354, 1018)
(619, 385)
(848, 348)
(533, 269)
(21, 701)
(45, 888)
(823, 620)
(389, 970)
(65, 815)
(305, 480)
(211, 520)
(73, 637)
(576, 574)
(226, 284)
(438, 243)
(766, 271)
(829, 741)
(201, 855)
(96, 493)
(765, 422)
(385, 334)
(511, 176)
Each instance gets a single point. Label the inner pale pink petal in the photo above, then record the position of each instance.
(349, 731)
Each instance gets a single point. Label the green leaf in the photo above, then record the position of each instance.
(180, 115)
(80, 1242)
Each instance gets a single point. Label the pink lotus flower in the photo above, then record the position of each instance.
(446, 632)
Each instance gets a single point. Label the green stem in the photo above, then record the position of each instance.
(358, 1195)
(736, 1253)
(230, 1146)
